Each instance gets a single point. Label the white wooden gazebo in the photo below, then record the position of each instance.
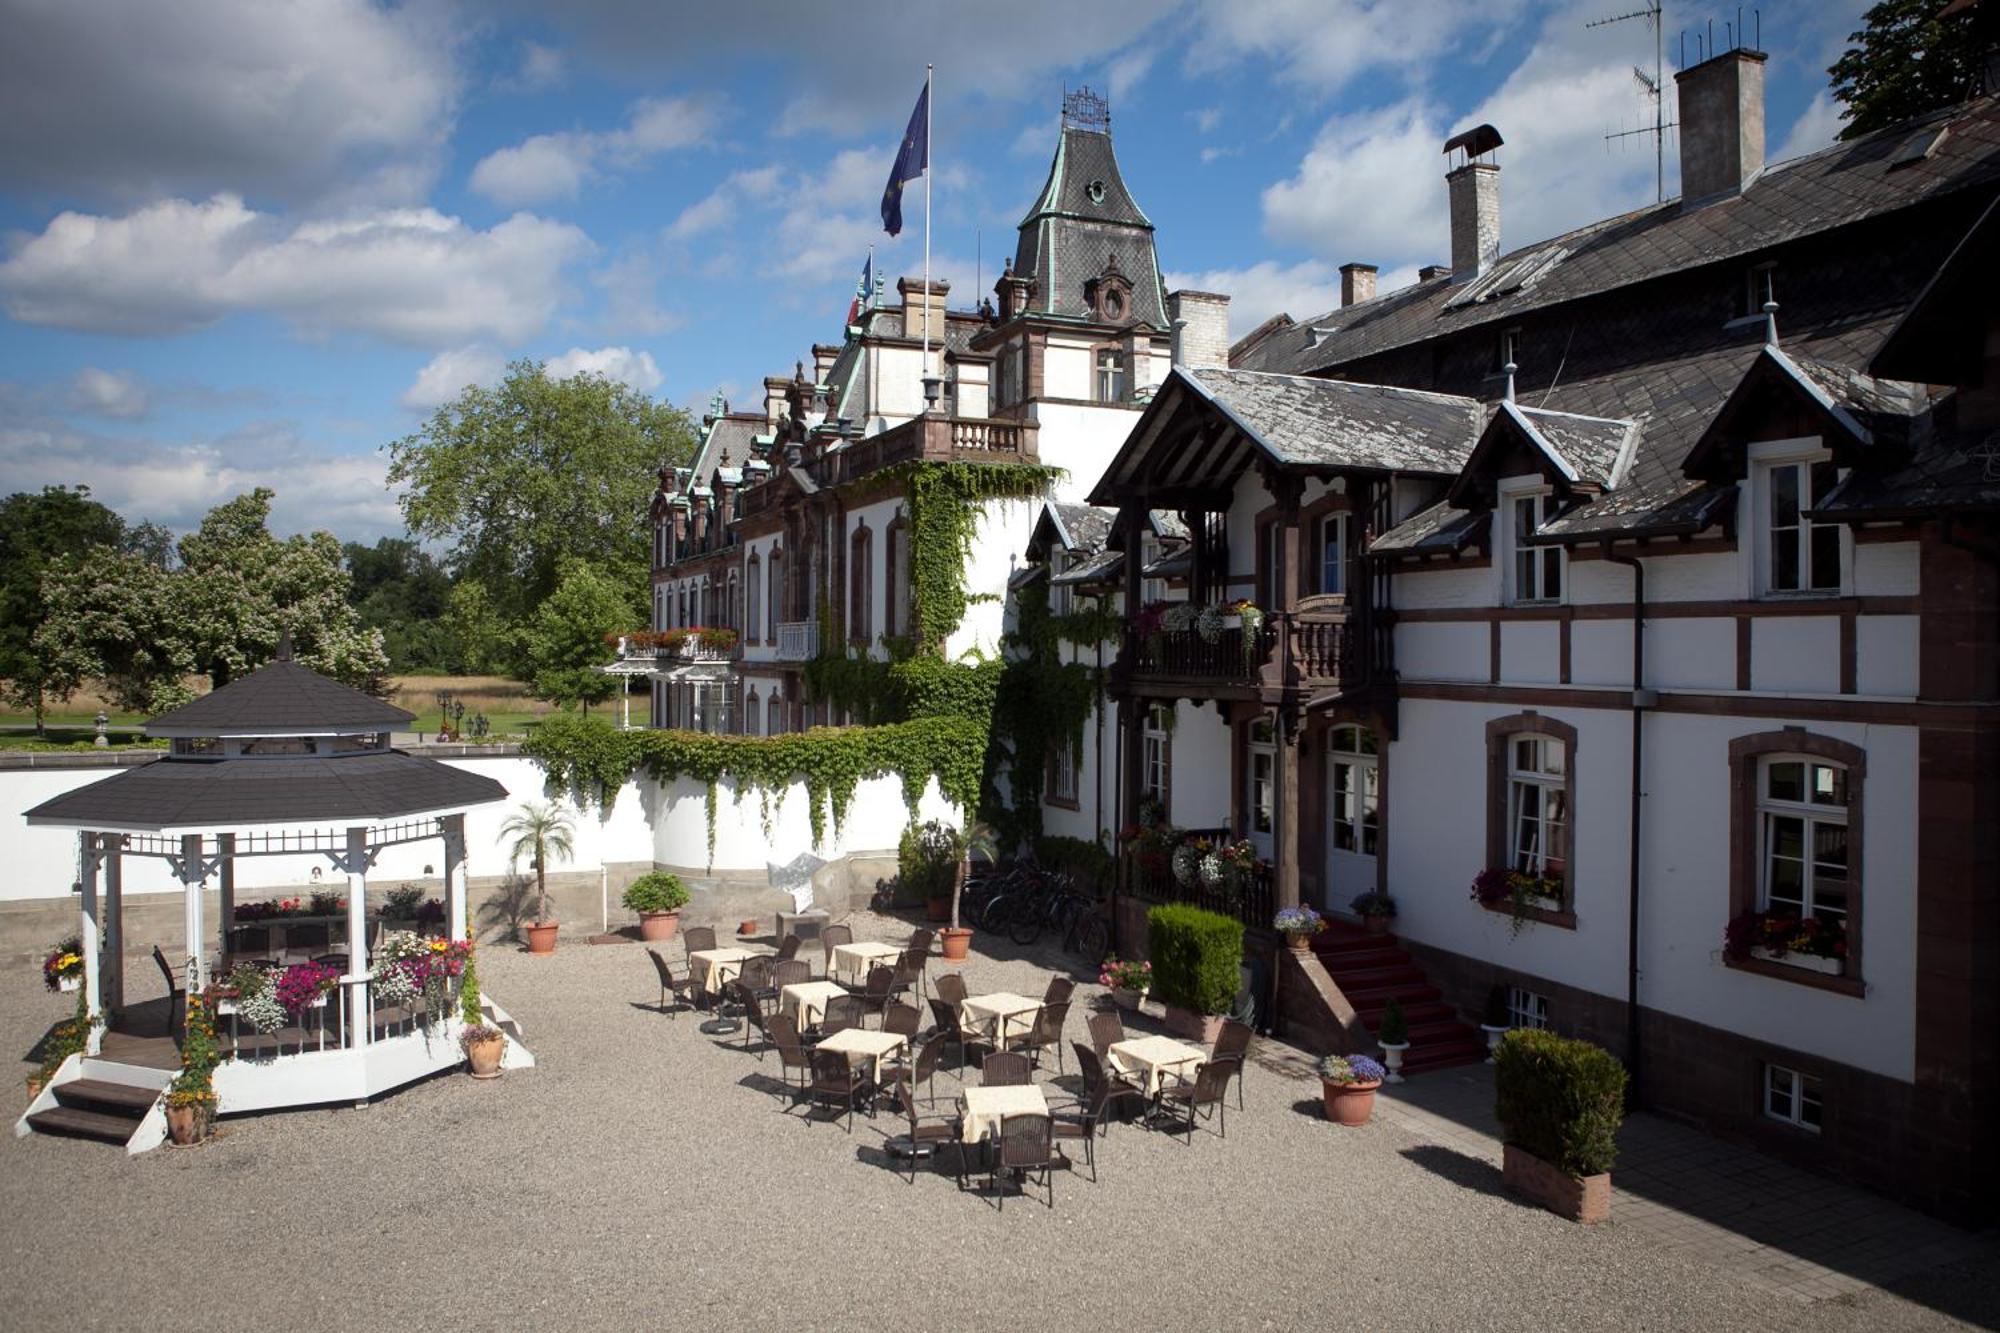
(282, 762)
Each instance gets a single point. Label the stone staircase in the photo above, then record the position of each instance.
(1371, 970)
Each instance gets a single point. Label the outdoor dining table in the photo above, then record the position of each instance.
(863, 1044)
(988, 1017)
(852, 961)
(806, 1001)
(982, 1109)
(1154, 1058)
(715, 968)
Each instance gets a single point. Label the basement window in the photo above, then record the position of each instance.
(1526, 1009)
(1792, 1098)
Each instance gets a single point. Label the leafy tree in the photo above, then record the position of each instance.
(37, 530)
(143, 628)
(520, 477)
(565, 640)
(1904, 62)
(400, 589)
(479, 641)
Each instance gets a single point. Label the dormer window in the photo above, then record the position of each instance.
(1534, 572)
(1110, 292)
(1795, 554)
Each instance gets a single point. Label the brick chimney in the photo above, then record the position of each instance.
(1474, 189)
(1721, 124)
(916, 302)
(776, 390)
(1429, 271)
(1201, 329)
(1357, 283)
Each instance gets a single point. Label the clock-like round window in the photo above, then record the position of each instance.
(1096, 192)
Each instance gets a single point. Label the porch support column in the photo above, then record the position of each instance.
(1291, 714)
(87, 924)
(225, 846)
(191, 904)
(113, 962)
(454, 875)
(360, 1017)
(1291, 722)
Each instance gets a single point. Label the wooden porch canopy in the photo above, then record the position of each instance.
(282, 762)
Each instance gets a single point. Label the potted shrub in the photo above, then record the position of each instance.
(190, 1097)
(1298, 925)
(1128, 981)
(401, 907)
(658, 897)
(957, 939)
(928, 859)
(1559, 1101)
(1376, 910)
(1393, 1036)
(1347, 1085)
(1197, 966)
(483, 1047)
(1495, 1020)
(539, 829)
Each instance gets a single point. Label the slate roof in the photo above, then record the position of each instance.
(1319, 421)
(192, 793)
(1084, 527)
(1101, 567)
(281, 698)
(1950, 469)
(732, 433)
(1067, 235)
(1791, 200)
(1593, 450)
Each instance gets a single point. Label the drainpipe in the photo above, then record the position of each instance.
(1642, 699)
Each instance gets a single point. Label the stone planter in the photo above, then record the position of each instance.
(69, 985)
(659, 927)
(1125, 997)
(1805, 962)
(1586, 1199)
(957, 942)
(1392, 1059)
(1376, 925)
(1348, 1104)
(1493, 1036)
(541, 936)
(1204, 1028)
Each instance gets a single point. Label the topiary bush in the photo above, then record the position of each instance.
(1395, 1029)
(1560, 1099)
(1197, 957)
(656, 891)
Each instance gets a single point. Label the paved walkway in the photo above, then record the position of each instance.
(1771, 1225)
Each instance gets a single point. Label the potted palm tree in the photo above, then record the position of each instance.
(957, 939)
(539, 829)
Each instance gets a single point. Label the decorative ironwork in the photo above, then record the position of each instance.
(1085, 110)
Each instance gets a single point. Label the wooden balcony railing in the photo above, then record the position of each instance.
(1313, 648)
(1185, 653)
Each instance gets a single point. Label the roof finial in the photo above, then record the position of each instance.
(284, 647)
(1770, 323)
(1508, 370)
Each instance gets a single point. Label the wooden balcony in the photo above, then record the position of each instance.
(1316, 648)
(1186, 655)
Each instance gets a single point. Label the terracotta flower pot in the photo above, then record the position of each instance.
(658, 927)
(749, 926)
(187, 1124)
(1298, 943)
(957, 942)
(542, 936)
(484, 1056)
(34, 1086)
(1376, 925)
(1349, 1104)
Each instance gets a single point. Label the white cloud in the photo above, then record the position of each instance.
(554, 166)
(410, 275)
(638, 370)
(721, 205)
(1265, 289)
(128, 101)
(1323, 45)
(1128, 70)
(542, 67)
(1817, 127)
(1206, 119)
(448, 373)
(110, 393)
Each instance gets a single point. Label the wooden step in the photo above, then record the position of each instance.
(96, 1094)
(75, 1122)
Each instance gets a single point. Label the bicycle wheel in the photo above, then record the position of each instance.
(1027, 924)
(1093, 939)
(999, 910)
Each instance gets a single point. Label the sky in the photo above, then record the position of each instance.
(252, 242)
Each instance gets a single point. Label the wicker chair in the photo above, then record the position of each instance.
(1231, 1045)
(920, 940)
(746, 998)
(950, 987)
(922, 1067)
(831, 938)
(1047, 1033)
(1205, 1090)
(1106, 1030)
(1006, 1069)
(756, 974)
(902, 1019)
(785, 1039)
(1083, 1123)
(1059, 990)
(790, 972)
(841, 1012)
(922, 1136)
(788, 948)
(1026, 1147)
(176, 993)
(670, 984)
(835, 1081)
(874, 994)
(696, 938)
(909, 973)
(944, 1028)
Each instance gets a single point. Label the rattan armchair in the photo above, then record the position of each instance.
(922, 1136)
(1202, 1095)
(677, 987)
(836, 1082)
(1006, 1069)
(1106, 1030)
(1047, 1033)
(1232, 1044)
(1026, 1148)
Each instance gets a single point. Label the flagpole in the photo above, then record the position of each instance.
(927, 222)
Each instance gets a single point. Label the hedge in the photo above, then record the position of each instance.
(1560, 1099)
(1197, 957)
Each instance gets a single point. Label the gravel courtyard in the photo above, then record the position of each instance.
(644, 1176)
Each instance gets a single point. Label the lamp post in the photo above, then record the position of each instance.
(101, 741)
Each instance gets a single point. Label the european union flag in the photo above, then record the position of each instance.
(911, 162)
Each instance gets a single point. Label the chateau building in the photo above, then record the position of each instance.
(1642, 578)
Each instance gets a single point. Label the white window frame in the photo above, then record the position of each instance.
(1062, 596)
(1062, 775)
(1152, 588)
(1530, 569)
(1526, 1008)
(1811, 815)
(1156, 756)
(1798, 459)
(1548, 786)
(1334, 525)
(1793, 1098)
(1355, 790)
(1260, 784)
(1110, 375)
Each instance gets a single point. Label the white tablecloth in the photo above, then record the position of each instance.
(984, 1108)
(806, 1001)
(715, 968)
(1151, 1061)
(862, 1044)
(852, 961)
(998, 1018)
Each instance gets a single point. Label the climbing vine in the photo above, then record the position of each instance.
(946, 500)
(1043, 702)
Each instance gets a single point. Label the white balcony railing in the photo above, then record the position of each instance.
(798, 640)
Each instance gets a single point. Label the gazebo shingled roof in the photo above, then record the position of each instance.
(281, 698)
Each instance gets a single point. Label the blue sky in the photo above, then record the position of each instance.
(245, 242)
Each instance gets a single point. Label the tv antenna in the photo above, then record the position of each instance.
(1654, 84)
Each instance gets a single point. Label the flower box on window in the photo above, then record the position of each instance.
(1831, 967)
(1811, 944)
